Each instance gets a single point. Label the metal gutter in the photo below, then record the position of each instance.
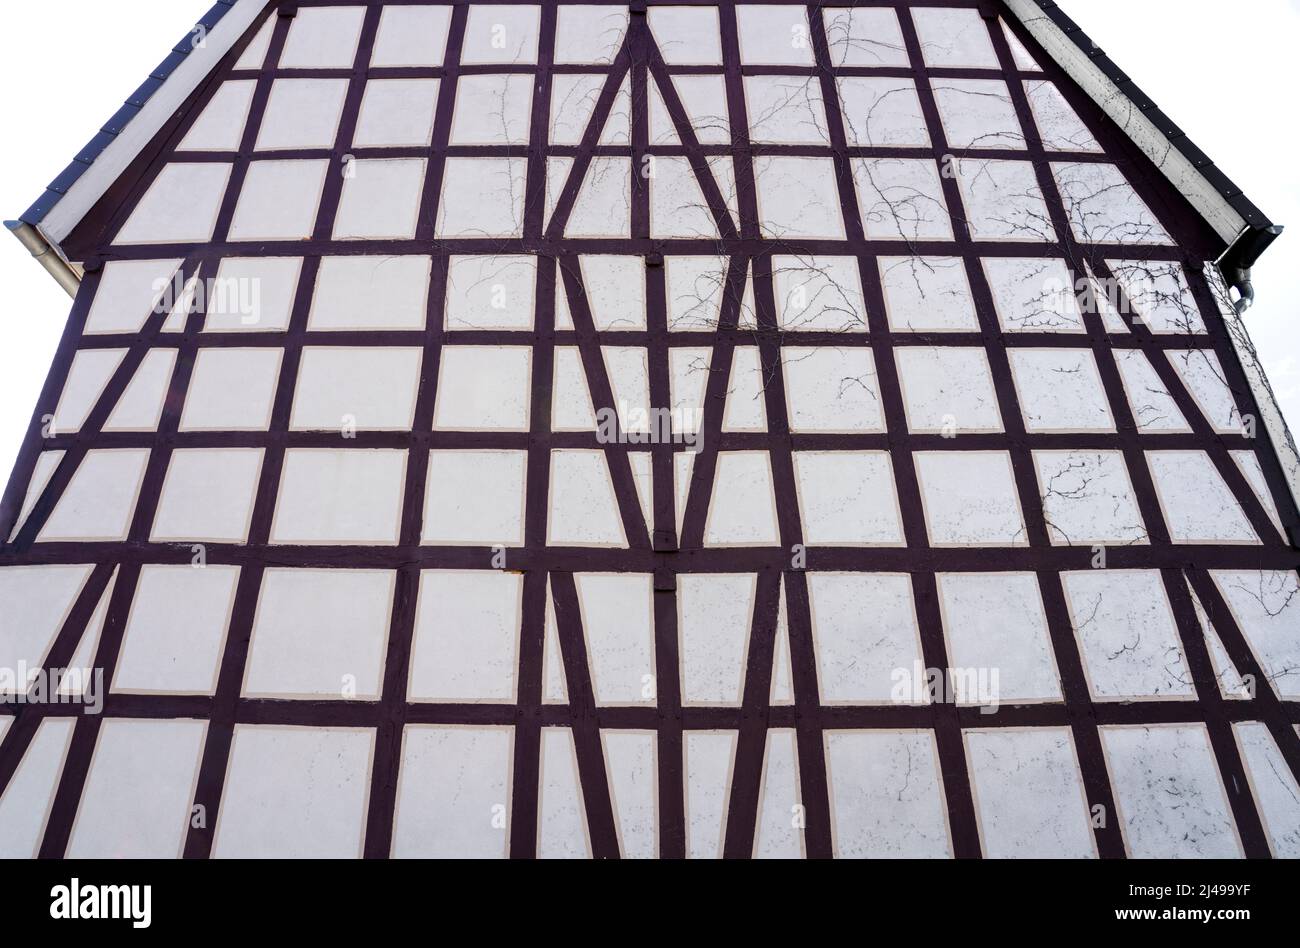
(1237, 260)
(46, 255)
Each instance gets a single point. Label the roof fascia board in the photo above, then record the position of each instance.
(162, 105)
(1200, 192)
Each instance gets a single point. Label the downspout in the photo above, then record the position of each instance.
(46, 256)
(1237, 260)
(1240, 281)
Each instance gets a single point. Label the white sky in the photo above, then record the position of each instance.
(1224, 72)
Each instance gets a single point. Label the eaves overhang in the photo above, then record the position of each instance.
(67, 199)
(1245, 231)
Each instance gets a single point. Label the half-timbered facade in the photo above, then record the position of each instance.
(719, 429)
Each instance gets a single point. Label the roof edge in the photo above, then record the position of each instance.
(128, 132)
(1244, 229)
